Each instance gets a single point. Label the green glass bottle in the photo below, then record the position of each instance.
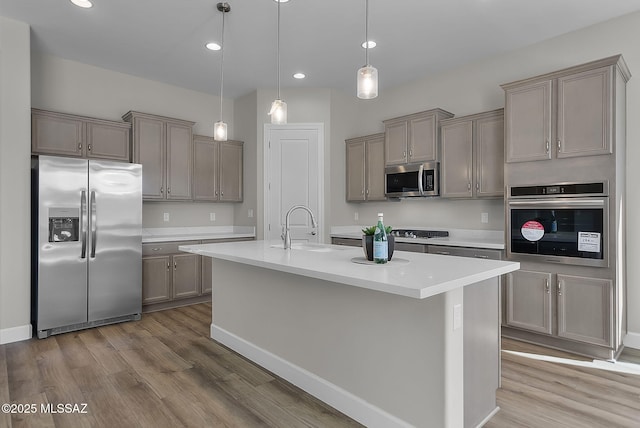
(380, 245)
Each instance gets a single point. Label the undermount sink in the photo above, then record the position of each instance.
(318, 248)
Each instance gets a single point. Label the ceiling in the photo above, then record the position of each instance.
(164, 40)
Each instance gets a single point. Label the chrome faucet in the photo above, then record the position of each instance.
(286, 234)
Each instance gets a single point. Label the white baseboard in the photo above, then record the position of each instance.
(344, 401)
(632, 340)
(489, 416)
(15, 334)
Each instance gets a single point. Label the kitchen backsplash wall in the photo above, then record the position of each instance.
(183, 214)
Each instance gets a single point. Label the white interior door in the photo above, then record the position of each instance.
(293, 176)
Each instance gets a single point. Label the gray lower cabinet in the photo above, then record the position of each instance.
(164, 147)
(156, 279)
(566, 306)
(62, 134)
(186, 275)
(473, 156)
(217, 170)
(365, 168)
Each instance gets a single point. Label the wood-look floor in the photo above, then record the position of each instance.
(164, 371)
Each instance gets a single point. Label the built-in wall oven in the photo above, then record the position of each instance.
(559, 223)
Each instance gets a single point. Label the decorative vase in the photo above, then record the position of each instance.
(367, 246)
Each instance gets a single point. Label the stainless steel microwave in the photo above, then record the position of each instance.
(415, 180)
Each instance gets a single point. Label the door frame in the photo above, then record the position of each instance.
(319, 128)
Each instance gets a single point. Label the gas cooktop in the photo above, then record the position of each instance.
(409, 233)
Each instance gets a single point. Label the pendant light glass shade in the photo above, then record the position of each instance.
(367, 82)
(367, 77)
(220, 131)
(278, 110)
(220, 127)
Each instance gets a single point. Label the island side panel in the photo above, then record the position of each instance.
(388, 350)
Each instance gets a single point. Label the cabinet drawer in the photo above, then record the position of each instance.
(163, 248)
(349, 242)
(218, 241)
(479, 253)
(414, 248)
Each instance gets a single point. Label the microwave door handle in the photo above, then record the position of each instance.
(92, 209)
(83, 224)
(420, 173)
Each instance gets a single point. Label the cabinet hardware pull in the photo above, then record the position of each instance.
(221, 193)
(216, 193)
(367, 191)
(362, 192)
(559, 288)
(559, 145)
(168, 266)
(162, 190)
(480, 256)
(546, 286)
(175, 265)
(469, 186)
(79, 146)
(156, 249)
(404, 154)
(547, 146)
(444, 253)
(410, 153)
(477, 186)
(168, 189)
(89, 147)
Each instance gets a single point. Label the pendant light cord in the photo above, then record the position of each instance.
(366, 32)
(278, 48)
(222, 66)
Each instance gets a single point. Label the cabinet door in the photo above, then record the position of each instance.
(489, 157)
(584, 309)
(422, 145)
(149, 150)
(205, 170)
(529, 301)
(457, 149)
(528, 122)
(207, 275)
(396, 138)
(186, 275)
(179, 161)
(106, 141)
(585, 113)
(156, 279)
(355, 160)
(54, 135)
(374, 167)
(231, 158)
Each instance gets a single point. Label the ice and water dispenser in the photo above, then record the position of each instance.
(64, 224)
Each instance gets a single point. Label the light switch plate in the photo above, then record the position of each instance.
(212, 216)
(166, 216)
(356, 215)
(484, 217)
(250, 213)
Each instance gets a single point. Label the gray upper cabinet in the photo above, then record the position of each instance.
(218, 170)
(567, 113)
(78, 136)
(413, 138)
(365, 168)
(473, 156)
(164, 147)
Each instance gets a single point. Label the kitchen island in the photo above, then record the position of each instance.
(414, 342)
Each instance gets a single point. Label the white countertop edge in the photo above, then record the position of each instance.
(416, 293)
(172, 234)
(195, 237)
(487, 243)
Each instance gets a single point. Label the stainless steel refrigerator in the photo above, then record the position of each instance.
(86, 243)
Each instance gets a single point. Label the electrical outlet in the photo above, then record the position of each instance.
(356, 216)
(212, 216)
(457, 316)
(166, 216)
(484, 217)
(250, 213)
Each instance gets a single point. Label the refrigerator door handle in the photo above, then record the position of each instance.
(83, 223)
(92, 209)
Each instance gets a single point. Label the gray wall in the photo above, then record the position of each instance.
(245, 113)
(15, 164)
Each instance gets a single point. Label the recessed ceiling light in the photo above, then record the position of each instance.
(82, 3)
(299, 75)
(370, 44)
(212, 46)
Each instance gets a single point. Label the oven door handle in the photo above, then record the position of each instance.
(420, 174)
(555, 203)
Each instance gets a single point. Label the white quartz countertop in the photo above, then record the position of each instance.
(424, 275)
(489, 239)
(172, 234)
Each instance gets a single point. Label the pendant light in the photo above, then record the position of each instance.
(367, 75)
(220, 127)
(278, 111)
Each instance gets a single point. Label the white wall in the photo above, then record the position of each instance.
(245, 114)
(72, 87)
(15, 164)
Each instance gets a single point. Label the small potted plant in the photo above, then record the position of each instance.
(367, 241)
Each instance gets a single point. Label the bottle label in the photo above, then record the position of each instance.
(380, 250)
